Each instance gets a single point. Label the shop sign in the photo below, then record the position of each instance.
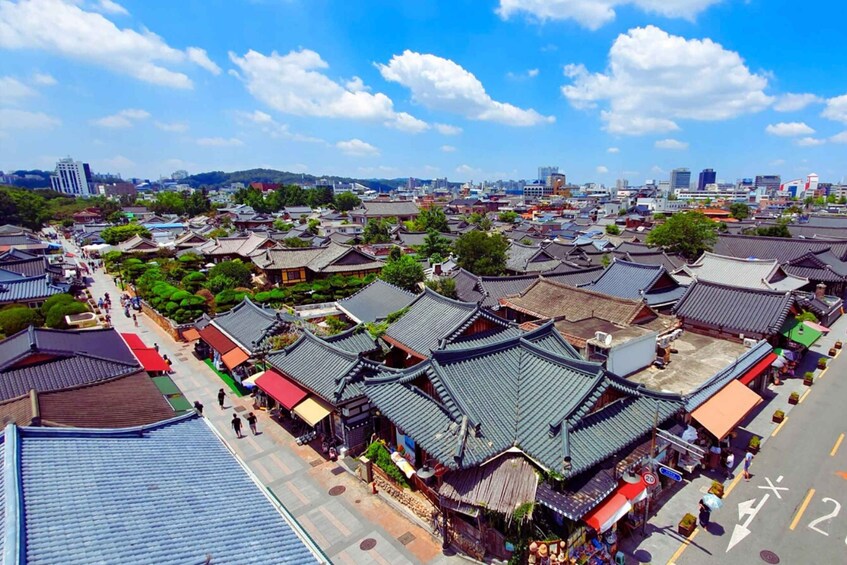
(670, 473)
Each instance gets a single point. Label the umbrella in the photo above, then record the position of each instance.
(779, 363)
(712, 501)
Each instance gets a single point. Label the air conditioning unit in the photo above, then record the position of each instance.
(603, 337)
(748, 343)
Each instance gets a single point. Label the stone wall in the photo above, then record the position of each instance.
(160, 321)
(420, 506)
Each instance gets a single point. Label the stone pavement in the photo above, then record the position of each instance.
(661, 541)
(347, 522)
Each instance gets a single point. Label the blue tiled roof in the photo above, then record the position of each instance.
(626, 279)
(24, 289)
(102, 343)
(170, 493)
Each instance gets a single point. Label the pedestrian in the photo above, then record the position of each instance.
(730, 464)
(135, 320)
(100, 302)
(705, 514)
(156, 347)
(221, 396)
(748, 459)
(199, 407)
(251, 420)
(236, 425)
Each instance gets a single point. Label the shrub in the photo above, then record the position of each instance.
(13, 320)
(753, 443)
(378, 453)
(53, 301)
(794, 396)
(234, 270)
(809, 375)
(822, 363)
(688, 521)
(56, 317)
(779, 414)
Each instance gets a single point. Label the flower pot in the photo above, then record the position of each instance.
(793, 399)
(837, 345)
(686, 527)
(777, 418)
(717, 491)
(808, 382)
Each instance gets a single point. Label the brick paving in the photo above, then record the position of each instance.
(338, 524)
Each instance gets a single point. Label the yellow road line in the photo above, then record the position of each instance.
(779, 427)
(837, 445)
(805, 394)
(683, 547)
(732, 484)
(819, 377)
(802, 509)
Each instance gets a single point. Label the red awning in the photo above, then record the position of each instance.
(283, 390)
(151, 360)
(217, 340)
(133, 341)
(758, 369)
(616, 505)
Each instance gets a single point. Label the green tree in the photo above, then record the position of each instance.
(168, 203)
(312, 226)
(613, 229)
(780, 229)
(295, 242)
(320, 196)
(115, 234)
(434, 244)
(482, 253)
(445, 286)
(56, 317)
(235, 270)
(17, 318)
(842, 200)
(216, 233)
(55, 300)
(404, 272)
(508, 216)
(377, 230)
(346, 201)
(432, 218)
(282, 225)
(688, 233)
(739, 210)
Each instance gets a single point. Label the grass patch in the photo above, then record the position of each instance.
(230, 382)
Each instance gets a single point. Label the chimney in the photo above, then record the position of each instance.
(820, 291)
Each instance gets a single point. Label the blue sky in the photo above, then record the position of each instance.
(468, 89)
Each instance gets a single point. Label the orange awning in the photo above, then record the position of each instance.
(191, 334)
(725, 410)
(758, 368)
(234, 358)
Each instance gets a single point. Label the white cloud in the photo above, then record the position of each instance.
(270, 126)
(123, 119)
(356, 84)
(789, 129)
(295, 84)
(836, 109)
(839, 137)
(447, 129)
(530, 73)
(43, 79)
(467, 170)
(357, 148)
(13, 90)
(793, 102)
(220, 142)
(115, 164)
(200, 58)
(593, 14)
(654, 79)
(602, 169)
(110, 7)
(172, 127)
(613, 150)
(66, 29)
(11, 118)
(448, 148)
(670, 144)
(809, 142)
(441, 84)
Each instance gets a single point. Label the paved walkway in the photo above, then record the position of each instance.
(299, 476)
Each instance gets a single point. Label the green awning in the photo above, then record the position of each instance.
(165, 385)
(799, 332)
(179, 403)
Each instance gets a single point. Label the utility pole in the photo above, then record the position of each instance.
(652, 455)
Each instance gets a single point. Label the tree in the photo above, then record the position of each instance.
(168, 203)
(739, 210)
(216, 233)
(235, 270)
(780, 229)
(282, 225)
(508, 216)
(404, 272)
(313, 225)
(377, 230)
(434, 244)
(481, 253)
(15, 319)
(613, 229)
(445, 286)
(115, 234)
(842, 200)
(688, 233)
(346, 201)
(56, 317)
(432, 218)
(296, 242)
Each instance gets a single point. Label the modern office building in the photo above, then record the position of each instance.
(707, 176)
(545, 172)
(73, 177)
(769, 182)
(680, 179)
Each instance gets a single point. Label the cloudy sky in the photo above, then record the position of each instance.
(468, 89)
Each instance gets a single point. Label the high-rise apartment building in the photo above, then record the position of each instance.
(72, 177)
(769, 182)
(545, 172)
(680, 179)
(707, 176)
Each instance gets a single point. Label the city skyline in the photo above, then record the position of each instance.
(603, 89)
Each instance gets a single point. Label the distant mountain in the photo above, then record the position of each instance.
(215, 179)
(30, 179)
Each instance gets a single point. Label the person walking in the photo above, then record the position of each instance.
(135, 320)
(730, 464)
(221, 396)
(251, 421)
(236, 425)
(705, 514)
(198, 407)
(156, 347)
(748, 459)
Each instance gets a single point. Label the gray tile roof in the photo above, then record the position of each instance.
(719, 380)
(522, 258)
(624, 279)
(467, 289)
(34, 267)
(734, 271)
(734, 310)
(414, 239)
(516, 393)
(375, 301)
(377, 208)
(355, 340)
(249, 324)
(101, 343)
(150, 495)
(61, 374)
(27, 289)
(333, 258)
(781, 249)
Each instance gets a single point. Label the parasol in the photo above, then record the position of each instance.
(712, 501)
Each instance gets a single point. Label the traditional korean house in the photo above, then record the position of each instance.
(488, 291)
(189, 240)
(383, 209)
(524, 259)
(764, 274)
(236, 247)
(296, 265)
(32, 291)
(138, 245)
(625, 279)
(375, 302)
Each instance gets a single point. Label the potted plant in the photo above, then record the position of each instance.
(753, 445)
(778, 416)
(838, 344)
(794, 398)
(717, 489)
(687, 525)
(808, 378)
(832, 352)
(822, 363)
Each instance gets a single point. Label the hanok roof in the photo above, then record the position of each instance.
(243, 245)
(633, 280)
(734, 310)
(387, 209)
(155, 492)
(433, 318)
(190, 239)
(355, 340)
(651, 257)
(529, 259)
(33, 267)
(27, 289)
(375, 301)
(249, 324)
(779, 248)
(138, 244)
(21, 241)
(334, 258)
(820, 265)
(500, 486)
(102, 343)
(734, 271)
(516, 393)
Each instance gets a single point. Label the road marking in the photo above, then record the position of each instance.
(802, 509)
(813, 525)
(770, 486)
(805, 394)
(732, 485)
(837, 445)
(779, 427)
(819, 377)
(683, 547)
